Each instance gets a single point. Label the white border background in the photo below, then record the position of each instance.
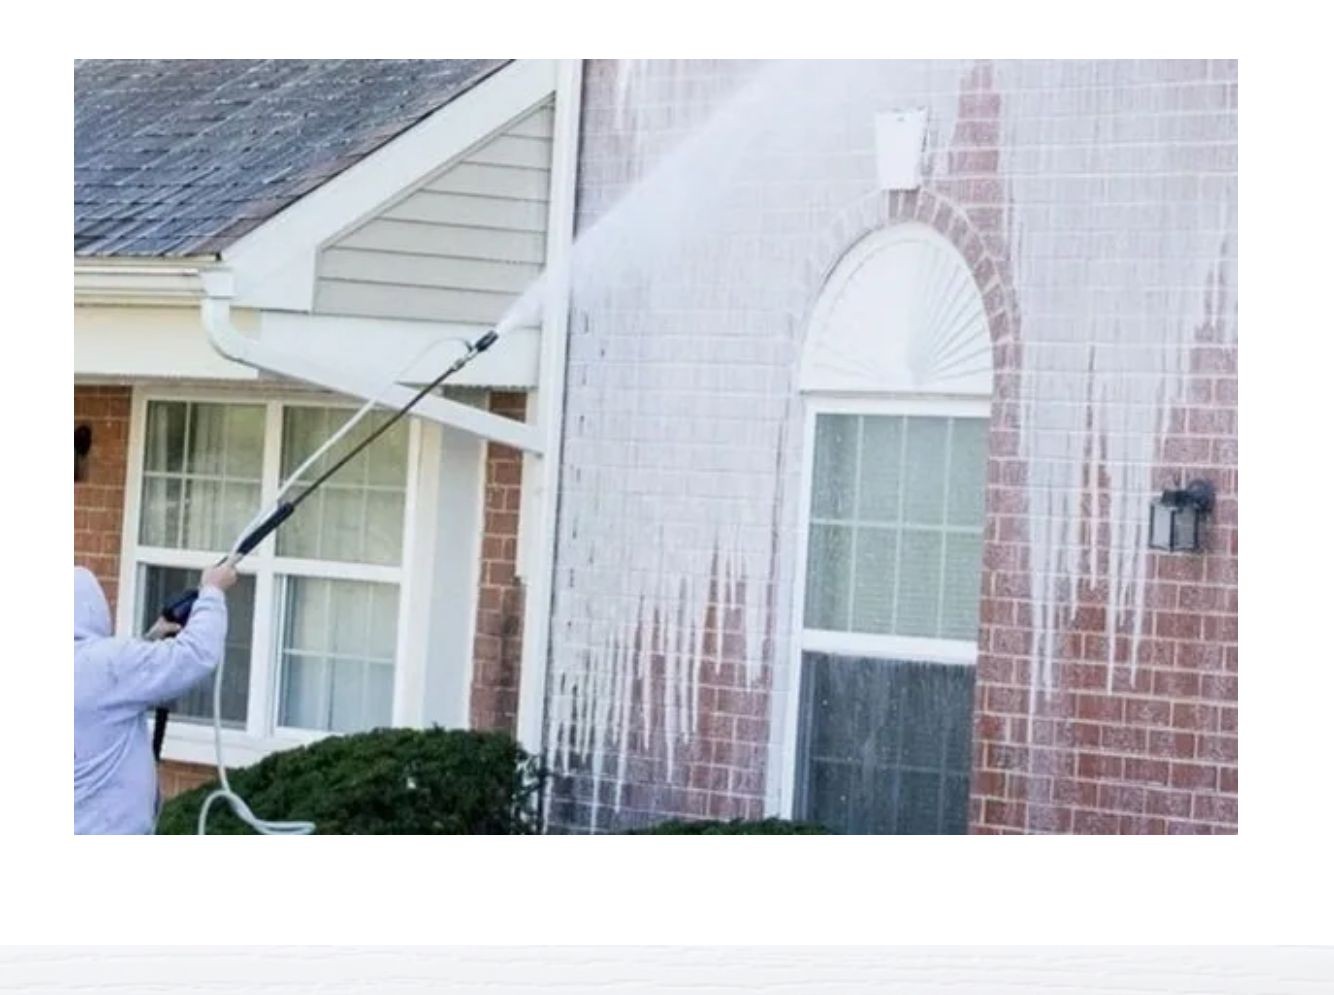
(1271, 884)
(698, 970)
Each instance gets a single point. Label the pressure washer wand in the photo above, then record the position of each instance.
(177, 610)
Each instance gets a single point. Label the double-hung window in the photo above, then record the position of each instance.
(893, 566)
(314, 621)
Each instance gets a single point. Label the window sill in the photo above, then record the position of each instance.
(192, 743)
(855, 644)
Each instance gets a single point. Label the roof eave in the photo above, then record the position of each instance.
(144, 282)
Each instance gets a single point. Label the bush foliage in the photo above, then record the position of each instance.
(389, 781)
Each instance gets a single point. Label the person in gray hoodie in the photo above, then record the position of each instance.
(116, 683)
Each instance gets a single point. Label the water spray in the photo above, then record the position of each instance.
(177, 611)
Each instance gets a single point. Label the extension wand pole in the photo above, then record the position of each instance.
(177, 610)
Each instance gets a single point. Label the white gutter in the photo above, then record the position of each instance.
(537, 518)
(349, 378)
(143, 284)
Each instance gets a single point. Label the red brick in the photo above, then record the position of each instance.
(1168, 803)
(1095, 766)
(1194, 776)
(1097, 823)
(1145, 771)
(1175, 745)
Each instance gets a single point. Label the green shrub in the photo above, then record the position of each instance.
(389, 781)
(738, 827)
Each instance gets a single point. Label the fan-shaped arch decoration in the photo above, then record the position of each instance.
(900, 313)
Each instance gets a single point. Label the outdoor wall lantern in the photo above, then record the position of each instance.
(1176, 520)
(83, 442)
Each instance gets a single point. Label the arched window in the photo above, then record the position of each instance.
(896, 376)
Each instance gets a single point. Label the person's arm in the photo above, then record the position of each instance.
(144, 673)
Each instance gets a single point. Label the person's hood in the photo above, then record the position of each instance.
(92, 617)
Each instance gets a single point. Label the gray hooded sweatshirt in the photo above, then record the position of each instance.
(116, 682)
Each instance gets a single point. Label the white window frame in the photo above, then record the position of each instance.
(854, 644)
(192, 742)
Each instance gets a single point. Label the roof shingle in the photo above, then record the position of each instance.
(183, 157)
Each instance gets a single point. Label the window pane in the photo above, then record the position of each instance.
(358, 515)
(308, 616)
(156, 586)
(201, 473)
(342, 512)
(383, 537)
(164, 443)
(382, 643)
(881, 460)
(348, 697)
(245, 441)
(873, 582)
(828, 572)
(919, 480)
(304, 702)
(379, 706)
(207, 439)
(885, 745)
(835, 468)
(216, 512)
(919, 583)
(924, 486)
(160, 512)
(337, 654)
(968, 472)
(963, 581)
(387, 457)
(303, 431)
(350, 619)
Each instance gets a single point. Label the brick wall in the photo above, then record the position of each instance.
(498, 646)
(99, 499)
(175, 778)
(1073, 190)
(1139, 736)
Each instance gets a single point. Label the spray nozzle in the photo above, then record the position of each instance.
(486, 341)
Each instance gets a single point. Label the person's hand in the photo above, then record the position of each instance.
(162, 629)
(222, 575)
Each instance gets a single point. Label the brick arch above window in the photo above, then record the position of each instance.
(991, 273)
(900, 313)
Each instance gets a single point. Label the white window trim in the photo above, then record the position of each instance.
(851, 644)
(192, 742)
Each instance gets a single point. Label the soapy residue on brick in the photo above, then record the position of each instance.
(706, 196)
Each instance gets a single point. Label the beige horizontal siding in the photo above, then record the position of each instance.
(517, 182)
(515, 150)
(411, 269)
(460, 247)
(441, 240)
(376, 300)
(471, 211)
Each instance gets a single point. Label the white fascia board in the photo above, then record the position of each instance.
(274, 265)
(140, 282)
(388, 345)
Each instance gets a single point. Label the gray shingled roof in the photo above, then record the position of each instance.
(183, 157)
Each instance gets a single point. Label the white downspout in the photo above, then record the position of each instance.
(349, 379)
(537, 548)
